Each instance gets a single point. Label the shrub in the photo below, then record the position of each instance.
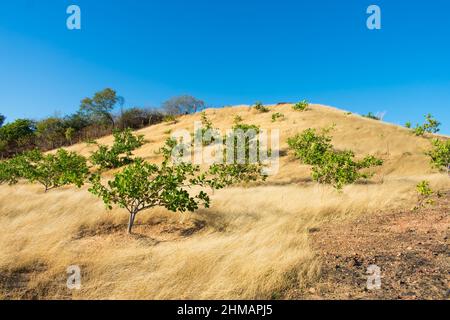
(424, 189)
(277, 116)
(372, 116)
(9, 171)
(337, 168)
(340, 168)
(310, 146)
(120, 153)
(141, 185)
(440, 154)
(207, 133)
(408, 125)
(261, 108)
(431, 125)
(301, 106)
(50, 170)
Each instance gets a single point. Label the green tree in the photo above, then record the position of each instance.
(261, 108)
(121, 151)
(431, 125)
(440, 154)
(329, 166)
(301, 106)
(51, 132)
(50, 170)
(102, 104)
(2, 120)
(142, 185)
(17, 136)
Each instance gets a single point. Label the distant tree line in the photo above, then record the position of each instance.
(97, 116)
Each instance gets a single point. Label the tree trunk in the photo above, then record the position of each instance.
(131, 222)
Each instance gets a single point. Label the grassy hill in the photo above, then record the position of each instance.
(254, 241)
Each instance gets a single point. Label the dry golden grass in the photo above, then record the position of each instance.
(252, 243)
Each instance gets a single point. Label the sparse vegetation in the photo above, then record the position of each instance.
(277, 116)
(207, 133)
(142, 185)
(329, 166)
(261, 108)
(372, 116)
(440, 154)
(301, 106)
(431, 125)
(121, 151)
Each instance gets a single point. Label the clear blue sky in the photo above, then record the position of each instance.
(228, 52)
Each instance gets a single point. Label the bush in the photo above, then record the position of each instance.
(372, 116)
(431, 125)
(120, 153)
(207, 133)
(424, 189)
(301, 106)
(277, 116)
(337, 168)
(311, 146)
(261, 108)
(440, 154)
(141, 185)
(50, 170)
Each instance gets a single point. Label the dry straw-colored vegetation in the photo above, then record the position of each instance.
(253, 242)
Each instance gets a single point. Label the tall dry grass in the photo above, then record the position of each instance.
(252, 243)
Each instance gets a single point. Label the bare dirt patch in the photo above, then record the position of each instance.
(410, 247)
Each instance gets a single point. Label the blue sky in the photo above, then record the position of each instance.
(228, 52)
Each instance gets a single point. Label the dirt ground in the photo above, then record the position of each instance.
(410, 247)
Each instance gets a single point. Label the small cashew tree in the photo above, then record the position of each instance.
(142, 185)
(440, 154)
(50, 170)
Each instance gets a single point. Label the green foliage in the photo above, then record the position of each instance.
(170, 119)
(408, 125)
(224, 175)
(102, 104)
(207, 133)
(50, 170)
(337, 168)
(340, 168)
(51, 131)
(301, 106)
(424, 189)
(69, 134)
(237, 119)
(142, 185)
(311, 146)
(10, 171)
(261, 108)
(431, 125)
(440, 154)
(370, 115)
(276, 116)
(17, 136)
(120, 153)
(2, 120)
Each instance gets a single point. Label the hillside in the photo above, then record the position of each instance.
(253, 243)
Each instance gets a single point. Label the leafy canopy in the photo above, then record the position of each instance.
(121, 151)
(50, 170)
(440, 154)
(329, 166)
